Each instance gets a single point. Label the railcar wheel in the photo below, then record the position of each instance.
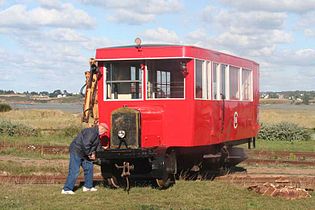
(170, 169)
(113, 183)
(111, 177)
(163, 184)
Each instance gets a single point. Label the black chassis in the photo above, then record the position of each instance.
(147, 162)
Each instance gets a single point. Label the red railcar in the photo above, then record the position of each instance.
(171, 107)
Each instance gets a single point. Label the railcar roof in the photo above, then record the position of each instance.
(144, 46)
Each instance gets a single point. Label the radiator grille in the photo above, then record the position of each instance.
(127, 120)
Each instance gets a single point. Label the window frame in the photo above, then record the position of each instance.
(147, 79)
(238, 82)
(251, 86)
(206, 79)
(105, 89)
(227, 81)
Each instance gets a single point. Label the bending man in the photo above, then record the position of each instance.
(82, 153)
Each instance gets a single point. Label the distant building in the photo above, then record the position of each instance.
(40, 97)
(61, 96)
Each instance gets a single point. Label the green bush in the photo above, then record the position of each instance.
(70, 131)
(12, 129)
(5, 107)
(283, 131)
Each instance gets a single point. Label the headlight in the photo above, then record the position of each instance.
(121, 134)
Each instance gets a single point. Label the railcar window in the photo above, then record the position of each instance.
(208, 79)
(123, 80)
(222, 80)
(215, 68)
(199, 90)
(165, 79)
(234, 81)
(247, 84)
(202, 80)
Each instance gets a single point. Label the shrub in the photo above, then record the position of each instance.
(12, 129)
(70, 131)
(283, 131)
(5, 107)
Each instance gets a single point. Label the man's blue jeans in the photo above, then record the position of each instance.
(74, 169)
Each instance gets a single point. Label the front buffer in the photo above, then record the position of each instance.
(125, 158)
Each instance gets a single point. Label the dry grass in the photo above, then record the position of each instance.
(304, 118)
(43, 119)
(184, 195)
(274, 101)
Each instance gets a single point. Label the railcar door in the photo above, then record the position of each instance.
(219, 91)
(217, 111)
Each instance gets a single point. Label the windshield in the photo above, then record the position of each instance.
(124, 79)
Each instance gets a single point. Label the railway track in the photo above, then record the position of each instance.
(49, 149)
(253, 161)
(295, 176)
(305, 182)
(256, 157)
(280, 154)
(40, 179)
(43, 149)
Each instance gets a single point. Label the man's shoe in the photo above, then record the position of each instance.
(93, 189)
(67, 192)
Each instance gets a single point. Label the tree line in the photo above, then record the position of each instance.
(55, 93)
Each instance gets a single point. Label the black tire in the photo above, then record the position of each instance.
(111, 177)
(163, 184)
(170, 170)
(113, 183)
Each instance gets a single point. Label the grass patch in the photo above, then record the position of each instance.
(17, 168)
(274, 101)
(283, 131)
(16, 152)
(5, 107)
(304, 118)
(70, 131)
(16, 129)
(57, 140)
(43, 119)
(294, 146)
(184, 195)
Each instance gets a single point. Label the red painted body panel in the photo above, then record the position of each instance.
(184, 122)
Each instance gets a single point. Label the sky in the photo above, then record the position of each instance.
(46, 44)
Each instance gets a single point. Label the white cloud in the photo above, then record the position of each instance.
(65, 35)
(159, 35)
(55, 4)
(248, 22)
(289, 70)
(43, 66)
(272, 5)
(253, 33)
(130, 17)
(72, 37)
(48, 59)
(199, 37)
(18, 16)
(148, 6)
(307, 19)
(262, 34)
(309, 32)
(298, 58)
(136, 11)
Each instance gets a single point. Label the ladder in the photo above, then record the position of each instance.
(90, 106)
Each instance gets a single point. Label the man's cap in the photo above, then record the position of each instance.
(104, 125)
